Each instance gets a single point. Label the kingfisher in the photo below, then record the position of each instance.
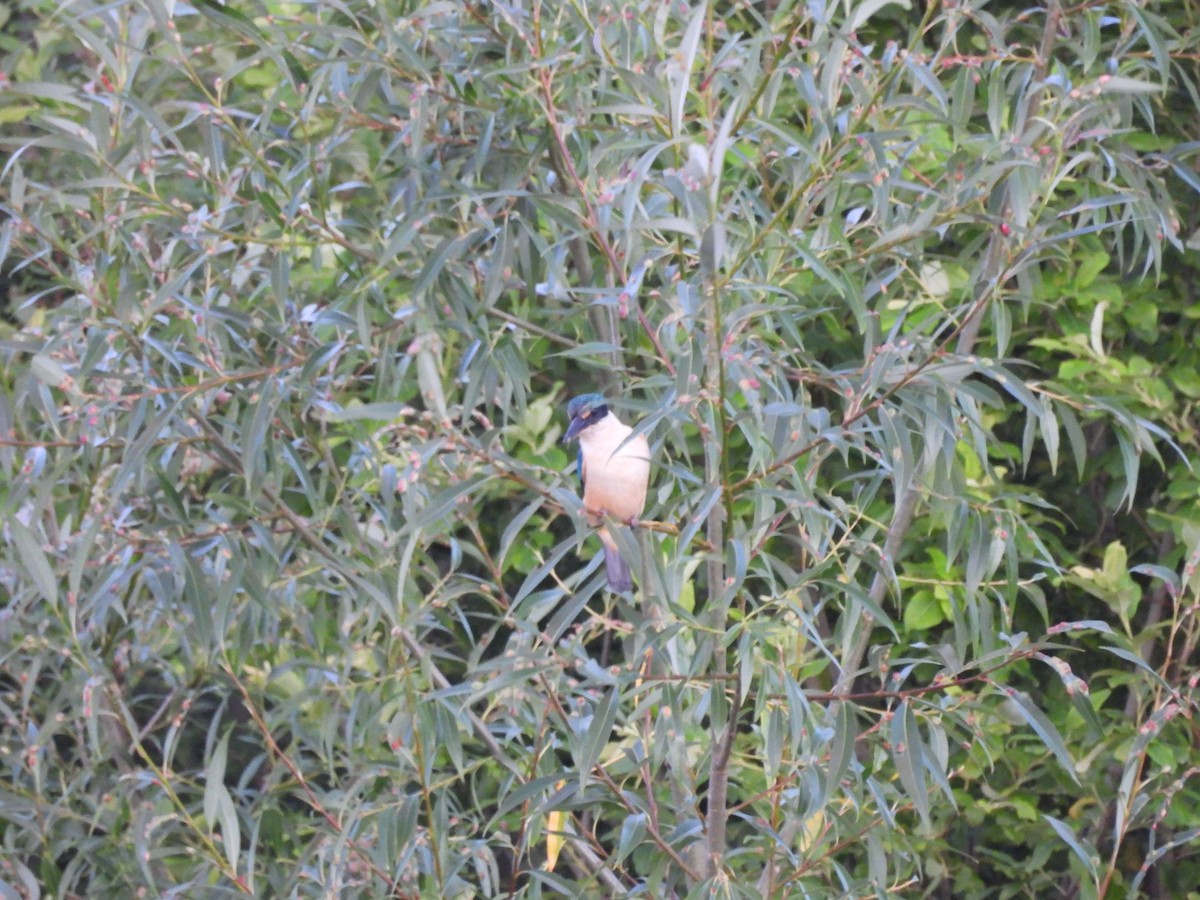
(614, 468)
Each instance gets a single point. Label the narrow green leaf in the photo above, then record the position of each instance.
(720, 147)
(604, 715)
(515, 526)
(1070, 424)
(1068, 836)
(773, 741)
(231, 829)
(537, 577)
(1136, 659)
(48, 370)
(633, 831)
(233, 18)
(214, 780)
(1044, 728)
(841, 750)
(442, 503)
(1048, 423)
(594, 349)
(908, 756)
(1082, 702)
(877, 861)
(670, 225)
(379, 412)
(682, 65)
(530, 791)
(254, 434)
(1120, 84)
(33, 559)
(295, 68)
(863, 11)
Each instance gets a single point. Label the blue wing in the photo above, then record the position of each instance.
(579, 466)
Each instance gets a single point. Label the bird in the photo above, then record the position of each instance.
(614, 469)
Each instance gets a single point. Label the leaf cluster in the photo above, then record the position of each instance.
(297, 599)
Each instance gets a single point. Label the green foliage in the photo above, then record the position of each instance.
(296, 596)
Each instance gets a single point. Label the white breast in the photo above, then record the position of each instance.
(616, 469)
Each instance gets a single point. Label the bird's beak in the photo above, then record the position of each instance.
(577, 425)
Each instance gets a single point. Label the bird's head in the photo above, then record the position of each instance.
(584, 411)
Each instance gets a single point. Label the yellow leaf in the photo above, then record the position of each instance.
(554, 840)
(811, 830)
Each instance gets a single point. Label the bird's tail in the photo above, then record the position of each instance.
(620, 579)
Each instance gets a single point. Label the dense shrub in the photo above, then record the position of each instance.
(297, 599)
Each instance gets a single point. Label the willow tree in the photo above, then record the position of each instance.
(299, 598)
